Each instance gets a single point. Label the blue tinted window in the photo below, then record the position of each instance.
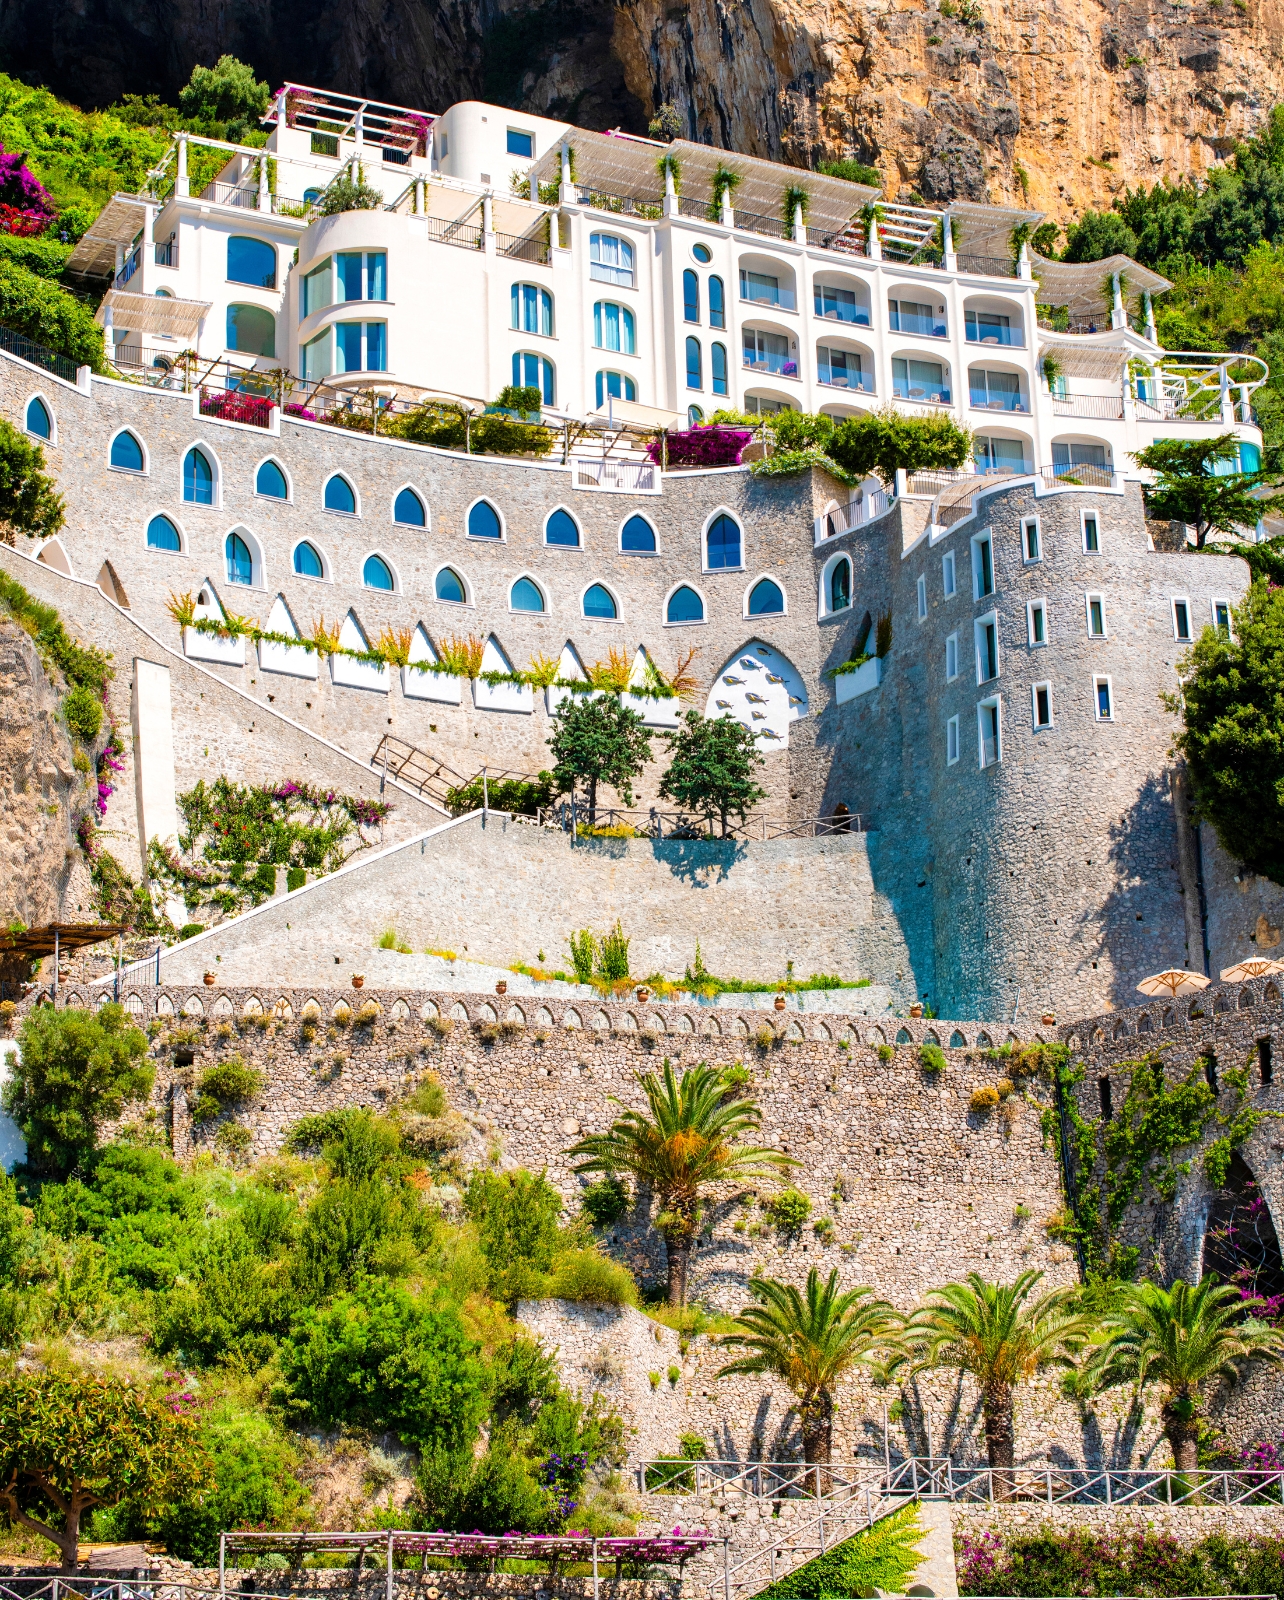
(1250, 455)
(685, 605)
(376, 347)
(617, 385)
(163, 535)
(240, 564)
(520, 144)
(38, 420)
(339, 495)
(598, 603)
(483, 521)
(724, 542)
(840, 586)
(637, 534)
(560, 529)
(765, 599)
(449, 586)
(702, 253)
(409, 509)
(533, 372)
(348, 268)
(526, 596)
(717, 304)
(198, 479)
(251, 261)
(271, 481)
(127, 453)
(347, 346)
(690, 296)
(307, 563)
(376, 574)
(718, 361)
(251, 330)
(695, 375)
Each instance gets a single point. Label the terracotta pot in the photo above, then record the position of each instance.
(1049, 1019)
(502, 986)
(358, 979)
(916, 1011)
(780, 1002)
(644, 994)
(211, 978)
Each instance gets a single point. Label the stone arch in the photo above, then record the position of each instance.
(74, 1000)
(515, 1014)
(164, 1006)
(571, 1019)
(760, 688)
(1098, 1036)
(983, 1041)
(740, 1028)
(1195, 1009)
(102, 999)
(486, 1012)
(657, 1023)
(1240, 1236)
(931, 1037)
(459, 1012)
(1120, 1030)
(310, 1010)
(1270, 995)
(428, 1009)
(134, 1005)
(903, 1036)
(628, 1023)
(1220, 1002)
(822, 1032)
(957, 1041)
(283, 1011)
(1012, 1039)
(794, 1031)
(193, 1006)
(1144, 1023)
(1245, 998)
(222, 1007)
(685, 1024)
(342, 1011)
(253, 1007)
(876, 1037)
(601, 1022)
(1170, 1017)
(400, 1010)
(544, 1017)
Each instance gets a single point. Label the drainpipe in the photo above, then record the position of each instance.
(1118, 316)
(181, 186)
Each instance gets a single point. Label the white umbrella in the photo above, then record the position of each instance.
(1173, 982)
(1254, 967)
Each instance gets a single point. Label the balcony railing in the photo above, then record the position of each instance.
(700, 210)
(39, 355)
(167, 253)
(130, 267)
(866, 507)
(780, 366)
(987, 266)
(772, 227)
(924, 397)
(1081, 475)
(850, 317)
(1006, 402)
(465, 234)
(523, 247)
(1008, 338)
(627, 205)
(625, 477)
(1108, 407)
(861, 381)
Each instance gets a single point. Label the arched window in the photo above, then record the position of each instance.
(525, 596)
(450, 586)
(717, 304)
(532, 309)
(311, 196)
(561, 528)
(126, 453)
(610, 259)
(377, 574)
(840, 585)
(685, 605)
(614, 328)
(339, 495)
(638, 535)
(599, 602)
(251, 261)
(39, 421)
(695, 365)
(718, 367)
(270, 481)
(531, 371)
(616, 384)
(722, 542)
(163, 535)
(240, 563)
(251, 330)
(765, 599)
(198, 478)
(307, 562)
(483, 522)
(695, 416)
(690, 296)
(408, 509)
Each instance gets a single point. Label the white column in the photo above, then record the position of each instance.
(1118, 316)
(1129, 398)
(800, 227)
(180, 182)
(153, 729)
(359, 129)
(488, 225)
(1151, 332)
(670, 194)
(281, 119)
(120, 258)
(873, 244)
(726, 212)
(566, 192)
(419, 197)
(265, 199)
(951, 261)
(1023, 262)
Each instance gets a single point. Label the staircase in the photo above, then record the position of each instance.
(431, 779)
(839, 1517)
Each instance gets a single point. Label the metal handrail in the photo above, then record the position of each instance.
(572, 816)
(987, 266)
(39, 355)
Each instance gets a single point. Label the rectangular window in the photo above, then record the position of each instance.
(988, 327)
(994, 391)
(841, 369)
(982, 567)
(999, 455)
(1041, 698)
(1091, 542)
(1103, 698)
(768, 352)
(316, 358)
(947, 573)
(922, 598)
(348, 267)
(362, 275)
(361, 346)
(316, 293)
(1222, 617)
(763, 289)
(1181, 619)
(377, 275)
(952, 658)
(919, 380)
(839, 305)
(952, 741)
(520, 144)
(989, 733)
(376, 347)
(1096, 616)
(1037, 621)
(324, 144)
(987, 648)
(1030, 548)
(911, 316)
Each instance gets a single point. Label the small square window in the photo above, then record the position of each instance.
(951, 658)
(1181, 619)
(1037, 622)
(948, 582)
(982, 567)
(922, 598)
(1222, 617)
(1103, 698)
(1091, 537)
(1041, 699)
(1096, 611)
(1031, 550)
(952, 741)
(521, 144)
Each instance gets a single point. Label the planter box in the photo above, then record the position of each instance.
(519, 697)
(198, 646)
(431, 686)
(852, 684)
(350, 673)
(656, 713)
(291, 659)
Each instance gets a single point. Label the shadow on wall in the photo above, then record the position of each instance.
(701, 863)
(1143, 859)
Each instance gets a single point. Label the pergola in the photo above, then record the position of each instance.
(20, 947)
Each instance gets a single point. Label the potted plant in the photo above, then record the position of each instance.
(211, 978)
(780, 1002)
(1049, 1019)
(358, 979)
(644, 994)
(502, 986)
(916, 1010)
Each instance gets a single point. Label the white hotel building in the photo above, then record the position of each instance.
(617, 291)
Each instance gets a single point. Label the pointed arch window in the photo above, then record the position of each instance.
(339, 496)
(163, 535)
(240, 563)
(377, 574)
(307, 561)
(198, 478)
(561, 528)
(722, 542)
(270, 481)
(600, 602)
(39, 422)
(408, 510)
(126, 453)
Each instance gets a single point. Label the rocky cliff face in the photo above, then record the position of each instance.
(1055, 102)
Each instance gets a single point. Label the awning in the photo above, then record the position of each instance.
(118, 223)
(987, 230)
(1088, 360)
(628, 413)
(32, 943)
(154, 313)
(1081, 285)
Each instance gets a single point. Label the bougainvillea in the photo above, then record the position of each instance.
(25, 204)
(234, 405)
(702, 447)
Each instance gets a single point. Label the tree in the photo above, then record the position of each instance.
(1099, 234)
(686, 1144)
(1180, 1338)
(988, 1330)
(1189, 488)
(598, 740)
(711, 773)
(74, 1071)
(809, 1343)
(889, 440)
(29, 502)
(350, 192)
(77, 1442)
(226, 96)
(1232, 733)
(46, 313)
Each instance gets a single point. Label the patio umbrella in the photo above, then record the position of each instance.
(1254, 967)
(1173, 982)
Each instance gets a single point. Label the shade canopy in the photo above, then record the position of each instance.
(1173, 982)
(1081, 285)
(154, 313)
(39, 941)
(118, 223)
(1254, 967)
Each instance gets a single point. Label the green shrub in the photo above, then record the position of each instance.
(517, 1223)
(583, 946)
(90, 668)
(29, 500)
(606, 1200)
(885, 1052)
(523, 796)
(230, 1309)
(880, 1559)
(932, 1059)
(594, 1279)
(788, 1210)
(231, 1082)
(495, 1494)
(613, 955)
(49, 315)
(295, 878)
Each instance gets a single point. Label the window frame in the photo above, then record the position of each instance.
(1213, 604)
(596, 236)
(426, 525)
(579, 531)
(719, 511)
(690, 281)
(483, 499)
(333, 511)
(467, 602)
(249, 283)
(327, 575)
(992, 704)
(517, 289)
(1090, 596)
(952, 740)
(655, 534)
(984, 537)
(1035, 725)
(521, 611)
(694, 622)
(216, 470)
(920, 590)
(718, 314)
(135, 472)
(952, 649)
(258, 579)
(379, 555)
(1089, 514)
(752, 585)
(281, 467)
(1183, 601)
(1098, 679)
(693, 344)
(826, 597)
(1031, 525)
(949, 575)
(1040, 605)
(51, 441)
(519, 133)
(599, 583)
(546, 381)
(159, 550)
(628, 319)
(979, 627)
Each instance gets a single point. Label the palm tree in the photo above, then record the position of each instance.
(989, 1331)
(1180, 1338)
(810, 1341)
(686, 1144)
